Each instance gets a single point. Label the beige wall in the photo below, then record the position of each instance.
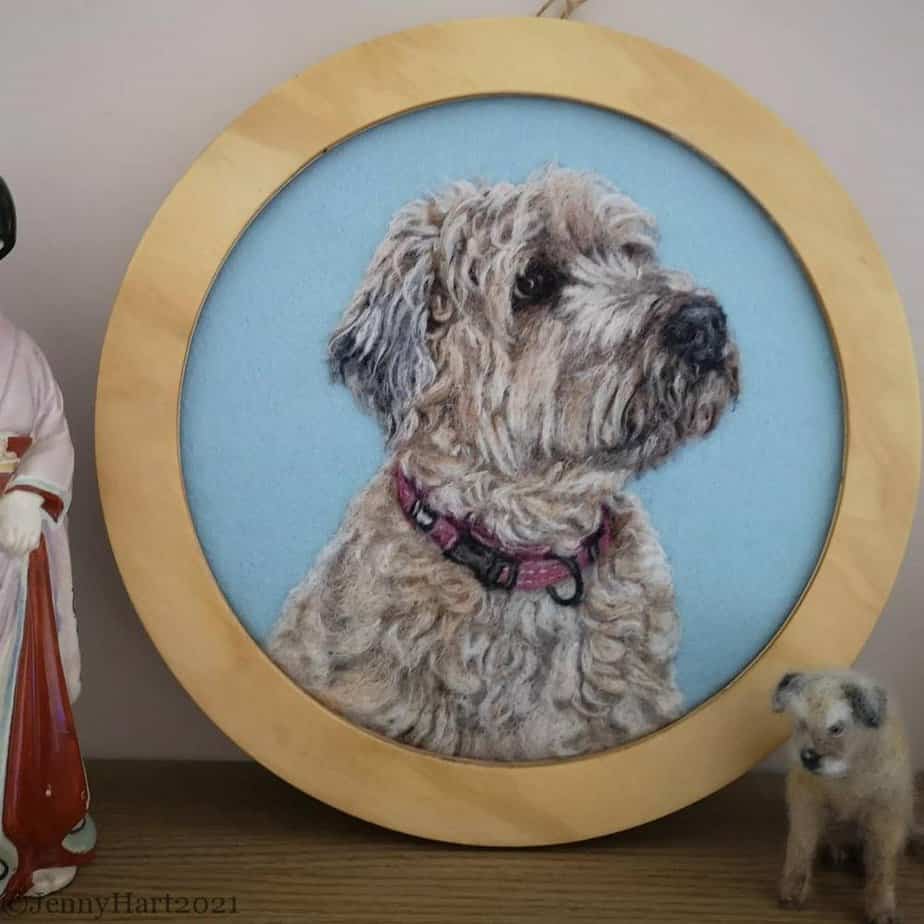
(104, 103)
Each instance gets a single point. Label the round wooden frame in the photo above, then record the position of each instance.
(152, 532)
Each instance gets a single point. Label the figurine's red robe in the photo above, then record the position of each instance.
(45, 794)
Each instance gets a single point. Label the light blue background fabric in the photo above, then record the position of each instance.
(272, 452)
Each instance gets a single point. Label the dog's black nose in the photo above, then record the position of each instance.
(697, 333)
(810, 758)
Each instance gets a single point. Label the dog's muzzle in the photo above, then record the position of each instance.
(697, 333)
(810, 758)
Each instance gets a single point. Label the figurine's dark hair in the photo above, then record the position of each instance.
(7, 220)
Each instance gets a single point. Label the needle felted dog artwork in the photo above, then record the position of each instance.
(496, 591)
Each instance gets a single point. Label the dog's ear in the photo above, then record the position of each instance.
(789, 685)
(380, 349)
(867, 701)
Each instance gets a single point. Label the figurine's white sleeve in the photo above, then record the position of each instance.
(48, 466)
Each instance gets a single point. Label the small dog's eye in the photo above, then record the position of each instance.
(538, 283)
(836, 729)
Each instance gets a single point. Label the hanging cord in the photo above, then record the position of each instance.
(567, 7)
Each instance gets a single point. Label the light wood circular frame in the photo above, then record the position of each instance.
(142, 486)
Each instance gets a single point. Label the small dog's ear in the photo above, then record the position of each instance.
(867, 701)
(789, 685)
(380, 349)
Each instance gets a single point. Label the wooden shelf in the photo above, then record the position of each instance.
(232, 831)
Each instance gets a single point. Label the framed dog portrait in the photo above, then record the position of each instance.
(515, 428)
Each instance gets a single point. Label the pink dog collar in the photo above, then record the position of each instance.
(497, 566)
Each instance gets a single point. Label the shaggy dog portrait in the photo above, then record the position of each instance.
(495, 592)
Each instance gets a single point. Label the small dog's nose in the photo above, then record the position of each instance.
(698, 332)
(810, 758)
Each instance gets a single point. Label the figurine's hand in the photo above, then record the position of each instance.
(20, 522)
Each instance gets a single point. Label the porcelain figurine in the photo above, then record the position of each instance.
(45, 829)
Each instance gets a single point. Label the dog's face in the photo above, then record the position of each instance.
(534, 323)
(833, 715)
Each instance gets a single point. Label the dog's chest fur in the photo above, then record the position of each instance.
(389, 633)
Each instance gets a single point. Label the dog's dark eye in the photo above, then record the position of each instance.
(634, 251)
(836, 729)
(538, 283)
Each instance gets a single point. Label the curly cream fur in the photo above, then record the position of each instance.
(531, 422)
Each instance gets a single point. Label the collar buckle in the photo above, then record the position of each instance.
(493, 568)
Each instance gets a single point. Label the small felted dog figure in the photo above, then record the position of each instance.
(852, 785)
